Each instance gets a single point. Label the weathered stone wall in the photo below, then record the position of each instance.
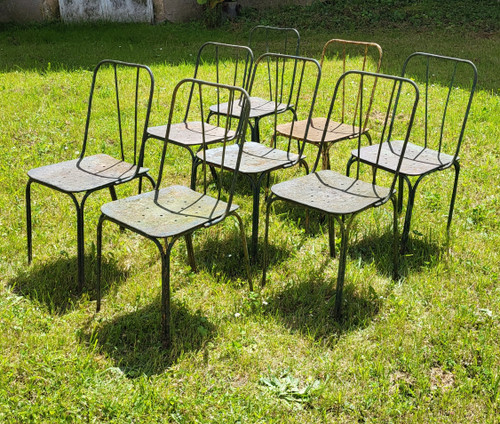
(28, 10)
(171, 10)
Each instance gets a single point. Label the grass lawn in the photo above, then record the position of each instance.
(423, 349)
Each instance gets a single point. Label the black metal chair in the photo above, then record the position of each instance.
(341, 197)
(295, 79)
(344, 55)
(266, 39)
(233, 65)
(170, 212)
(439, 130)
(117, 117)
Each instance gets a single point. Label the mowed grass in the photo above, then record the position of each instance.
(422, 349)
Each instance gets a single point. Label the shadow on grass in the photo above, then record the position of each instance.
(222, 254)
(134, 339)
(55, 283)
(308, 307)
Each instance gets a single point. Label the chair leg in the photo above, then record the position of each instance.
(80, 239)
(265, 253)
(344, 231)
(189, 245)
(325, 157)
(166, 323)
(256, 131)
(409, 210)
(99, 260)
(331, 235)
(29, 234)
(245, 249)
(453, 197)
(400, 193)
(395, 246)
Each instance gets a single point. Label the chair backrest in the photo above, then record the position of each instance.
(118, 111)
(291, 83)
(200, 94)
(269, 39)
(395, 103)
(447, 85)
(229, 64)
(339, 56)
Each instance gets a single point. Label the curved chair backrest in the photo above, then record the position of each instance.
(269, 39)
(339, 56)
(233, 63)
(201, 94)
(118, 110)
(233, 66)
(290, 83)
(447, 85)
(395, 104)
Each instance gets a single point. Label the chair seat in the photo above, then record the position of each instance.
(178, 210)
(256, 158)
(259, 108)
(190, 133)
(92, 173)
(417, 160)
(330, 192)
(336, 131)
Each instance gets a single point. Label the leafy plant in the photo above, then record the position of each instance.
(287, 388)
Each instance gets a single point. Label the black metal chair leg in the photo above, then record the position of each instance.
(165, 297)
(453, 197)
(29, 234)
(99, 261)
(331, 235)
(400, 193)
(395, 250)
(189, 245)
(265, 253)
(245, 249)
(409, 209)
(255, 219)
(341, 271)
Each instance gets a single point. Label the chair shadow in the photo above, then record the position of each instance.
(134, 341)
(308, 307)
(378, 248)
(224, 255)
(55, 283)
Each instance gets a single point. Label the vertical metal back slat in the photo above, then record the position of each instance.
(119, 112)
(452, 80)
(136, 111)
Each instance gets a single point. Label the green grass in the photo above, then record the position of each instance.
(423, 349)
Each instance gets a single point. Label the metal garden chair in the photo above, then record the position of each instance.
(266, 39)
(341, 197)
(440, 130)
(121, 92)
(353, 55)
(295, 79)
(168, 213)
(233, 65)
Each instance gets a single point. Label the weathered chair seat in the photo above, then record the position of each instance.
(418, 160)
(255, 159)
(176, 210)
(336, 130)
(89, 174)
(190, 133)
(330, 192)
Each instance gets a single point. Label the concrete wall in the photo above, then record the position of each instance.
(28, 10)
(171, 10)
